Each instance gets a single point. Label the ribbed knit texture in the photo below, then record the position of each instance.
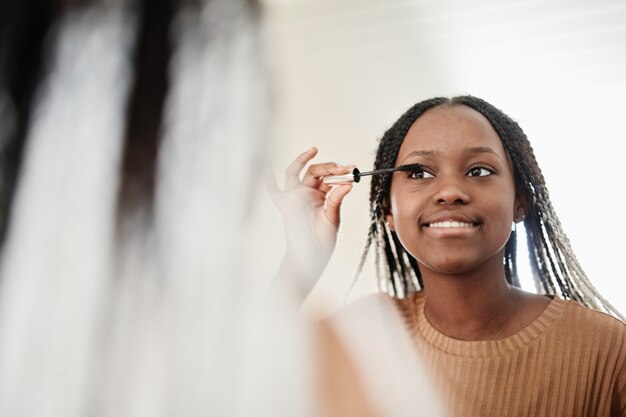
(571, 361)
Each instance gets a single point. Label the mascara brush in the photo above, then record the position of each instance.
(356, 175)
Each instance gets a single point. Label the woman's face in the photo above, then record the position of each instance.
(457, 214)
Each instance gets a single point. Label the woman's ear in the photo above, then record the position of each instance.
(389, 222)
(388, 215)
(521, 205)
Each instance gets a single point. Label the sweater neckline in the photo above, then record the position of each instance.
(478, 348)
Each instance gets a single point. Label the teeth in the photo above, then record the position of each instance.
(451, 224)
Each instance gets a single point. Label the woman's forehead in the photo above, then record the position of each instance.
(450, 130)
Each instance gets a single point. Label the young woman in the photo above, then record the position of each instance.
(445, 252)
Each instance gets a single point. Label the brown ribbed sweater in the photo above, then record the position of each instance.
(571, 361)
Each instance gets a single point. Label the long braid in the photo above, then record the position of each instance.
(510, 260)
(536, 257)
(556, 270)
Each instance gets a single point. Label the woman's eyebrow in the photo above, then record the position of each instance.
(420, 153)
(474, 150)
(479, 150)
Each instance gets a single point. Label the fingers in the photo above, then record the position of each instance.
(313, 175)
(334, 200)
(292, 173)
(327, 199)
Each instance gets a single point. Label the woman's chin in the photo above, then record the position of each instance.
(449, 267)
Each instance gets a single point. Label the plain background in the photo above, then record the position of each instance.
(343, 71)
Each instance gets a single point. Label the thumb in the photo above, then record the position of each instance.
(333, 202)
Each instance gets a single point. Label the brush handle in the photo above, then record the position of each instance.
(355, 176)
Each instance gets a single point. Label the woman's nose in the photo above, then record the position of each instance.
(451, 191)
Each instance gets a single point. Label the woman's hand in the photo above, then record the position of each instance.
(311, 216)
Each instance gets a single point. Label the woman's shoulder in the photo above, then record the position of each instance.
(588, 322)
(581, 314)
(372, 332)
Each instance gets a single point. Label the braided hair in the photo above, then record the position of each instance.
(556, 271)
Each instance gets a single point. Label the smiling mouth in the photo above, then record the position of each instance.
(451, 224)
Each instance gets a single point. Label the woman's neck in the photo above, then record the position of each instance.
(479, 305)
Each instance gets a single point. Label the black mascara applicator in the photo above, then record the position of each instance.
(356, 175)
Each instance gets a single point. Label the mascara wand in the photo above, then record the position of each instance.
(356, 175)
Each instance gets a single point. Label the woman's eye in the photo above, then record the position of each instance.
(420, 175)
(479, 172)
